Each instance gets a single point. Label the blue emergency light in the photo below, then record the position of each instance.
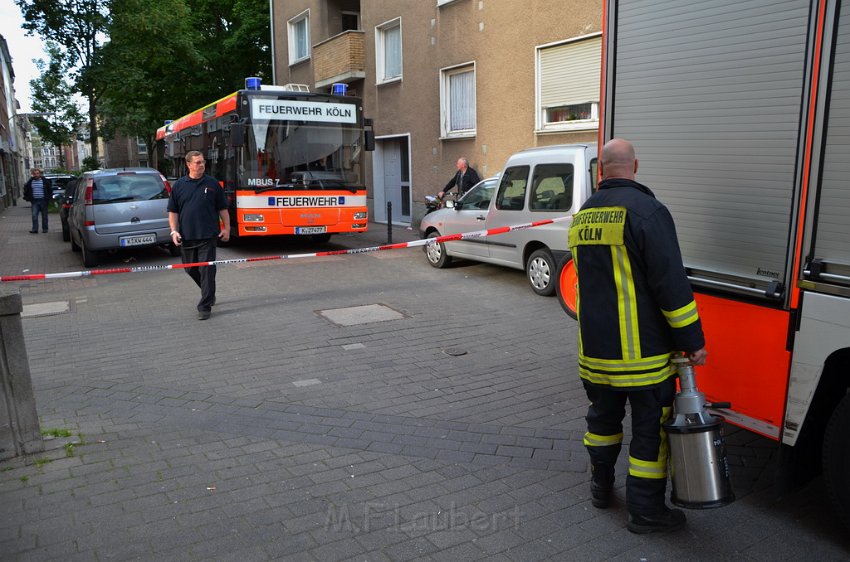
(252, 83)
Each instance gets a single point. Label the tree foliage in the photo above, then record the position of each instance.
(148, 83)
(77, 28)
(53, 98)
(139, 62)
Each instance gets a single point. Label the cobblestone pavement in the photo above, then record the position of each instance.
(363, 407)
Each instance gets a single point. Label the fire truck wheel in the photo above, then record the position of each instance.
(836, 458)
(565, 286)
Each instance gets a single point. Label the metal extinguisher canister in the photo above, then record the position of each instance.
(699, 470)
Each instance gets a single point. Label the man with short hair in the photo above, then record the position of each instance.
(635, 310)
(39, 192)
(464, 178)
(198, 216)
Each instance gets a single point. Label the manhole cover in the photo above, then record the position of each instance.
(454, 351)
(365, 314)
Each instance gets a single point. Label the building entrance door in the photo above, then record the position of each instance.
(392, 179)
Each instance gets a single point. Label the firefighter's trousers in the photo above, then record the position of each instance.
(650, 407)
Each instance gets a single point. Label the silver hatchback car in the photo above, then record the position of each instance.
(119, 208)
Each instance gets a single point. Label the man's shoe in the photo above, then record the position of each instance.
(33, 232)
(600, 495)
(213, 302)
(44, 232)
(203, 314)
(667, 520)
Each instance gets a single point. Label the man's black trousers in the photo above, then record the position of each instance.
(194, 251)
(650, 408)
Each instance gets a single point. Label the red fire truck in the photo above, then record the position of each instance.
(739, 111)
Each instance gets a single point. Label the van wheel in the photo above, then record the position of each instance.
(74, 246)
(566, 286)
(836, 459)
(540, 269)
(90, 259)
(66, 232)
(436, 253)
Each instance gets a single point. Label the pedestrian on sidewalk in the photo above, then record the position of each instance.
(636, 308)
(39, 192)
(198, 217)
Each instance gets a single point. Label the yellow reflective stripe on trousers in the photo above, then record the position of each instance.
(642, 364)
(682, 317)
(626, 303)
(656, 469)
(594, 440)
(617, 380)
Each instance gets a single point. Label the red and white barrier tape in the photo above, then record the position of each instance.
(415, 243)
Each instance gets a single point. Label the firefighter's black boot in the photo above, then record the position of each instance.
(601, 485)
(667, 520)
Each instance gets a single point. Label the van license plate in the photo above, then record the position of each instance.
(143, 240)
(311, 229)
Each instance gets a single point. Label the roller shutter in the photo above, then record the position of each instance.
(832, 240)
(733, 72)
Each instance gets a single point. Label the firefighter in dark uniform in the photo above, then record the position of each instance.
(635, 310)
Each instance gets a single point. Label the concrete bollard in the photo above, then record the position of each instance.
(19, 430)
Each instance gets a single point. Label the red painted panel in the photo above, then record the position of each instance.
(748, 364)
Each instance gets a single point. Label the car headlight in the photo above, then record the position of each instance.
(253, 218)
(360, 215)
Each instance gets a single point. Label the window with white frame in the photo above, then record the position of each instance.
(457, 101)
(388, 50)
(299, 37)
(568, 84)
(141, 146)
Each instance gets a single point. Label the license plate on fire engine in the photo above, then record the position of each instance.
(143, 240)
(311, 229)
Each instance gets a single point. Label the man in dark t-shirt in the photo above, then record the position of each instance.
(198, 216)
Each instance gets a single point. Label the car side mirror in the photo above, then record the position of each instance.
(450, 204)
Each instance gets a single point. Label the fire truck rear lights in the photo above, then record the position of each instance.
(360, 215)
(253, 218)
(255, 229)
(358, 225)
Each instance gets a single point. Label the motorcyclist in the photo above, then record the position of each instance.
(464, 178)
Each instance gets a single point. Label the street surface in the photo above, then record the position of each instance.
(441, 421)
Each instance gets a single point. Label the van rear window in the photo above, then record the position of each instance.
(128, 187)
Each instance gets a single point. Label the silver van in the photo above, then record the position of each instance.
(535, 184)
(119, 208)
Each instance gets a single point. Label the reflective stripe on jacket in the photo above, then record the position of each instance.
(634, 302)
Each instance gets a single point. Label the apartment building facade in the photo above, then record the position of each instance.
(447, 78)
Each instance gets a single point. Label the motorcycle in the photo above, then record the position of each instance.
(435, 203)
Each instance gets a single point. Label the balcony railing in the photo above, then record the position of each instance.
(342, 58)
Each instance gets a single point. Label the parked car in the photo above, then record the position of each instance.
(119, 208)
(536, 184)
(59, 182)
(65, 203)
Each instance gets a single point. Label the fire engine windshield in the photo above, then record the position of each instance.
(295, 155)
